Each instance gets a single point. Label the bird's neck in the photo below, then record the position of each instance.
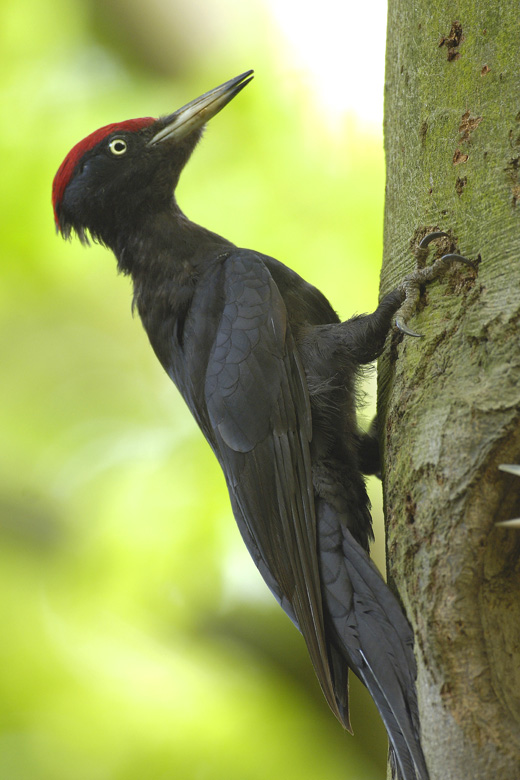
(167, 246)
(166, 259)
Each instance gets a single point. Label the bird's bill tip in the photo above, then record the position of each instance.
(197, 112)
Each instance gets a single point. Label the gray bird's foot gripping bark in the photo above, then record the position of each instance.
(411, 284)
(510, 468)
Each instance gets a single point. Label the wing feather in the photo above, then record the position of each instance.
(259, 412)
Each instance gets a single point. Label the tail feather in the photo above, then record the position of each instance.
(404, 740)
(386, 648)
(369, 629)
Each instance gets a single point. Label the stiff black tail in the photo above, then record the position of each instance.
(369, 630)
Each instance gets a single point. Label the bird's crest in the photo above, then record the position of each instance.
(68, 166)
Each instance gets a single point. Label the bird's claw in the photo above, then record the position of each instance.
(412, 282)
(454, 258)
(431, 237)
(403, 327)
(510, 468)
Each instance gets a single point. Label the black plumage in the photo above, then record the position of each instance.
(269, 373)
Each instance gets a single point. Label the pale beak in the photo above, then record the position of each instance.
(196, 113)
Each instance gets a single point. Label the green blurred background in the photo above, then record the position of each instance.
(137, 639)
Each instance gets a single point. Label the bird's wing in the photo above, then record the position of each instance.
(258, 413)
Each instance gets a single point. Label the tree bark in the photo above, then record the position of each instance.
(449, 403)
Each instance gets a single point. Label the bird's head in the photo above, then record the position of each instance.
(120, 174)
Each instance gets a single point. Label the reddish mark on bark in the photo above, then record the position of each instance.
(452, 41)
(459, 157)
(468, 124)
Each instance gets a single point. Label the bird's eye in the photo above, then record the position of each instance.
(117, 146)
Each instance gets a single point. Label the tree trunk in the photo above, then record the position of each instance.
(450, 402)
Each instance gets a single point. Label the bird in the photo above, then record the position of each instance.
(269, 372)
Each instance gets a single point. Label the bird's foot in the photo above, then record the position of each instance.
(510, 468)
(411, 284)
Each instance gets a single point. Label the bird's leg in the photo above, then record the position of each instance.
(411, 284)
(364, 335)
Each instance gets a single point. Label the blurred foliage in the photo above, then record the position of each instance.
(137, 638)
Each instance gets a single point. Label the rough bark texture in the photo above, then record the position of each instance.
(450, 402)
